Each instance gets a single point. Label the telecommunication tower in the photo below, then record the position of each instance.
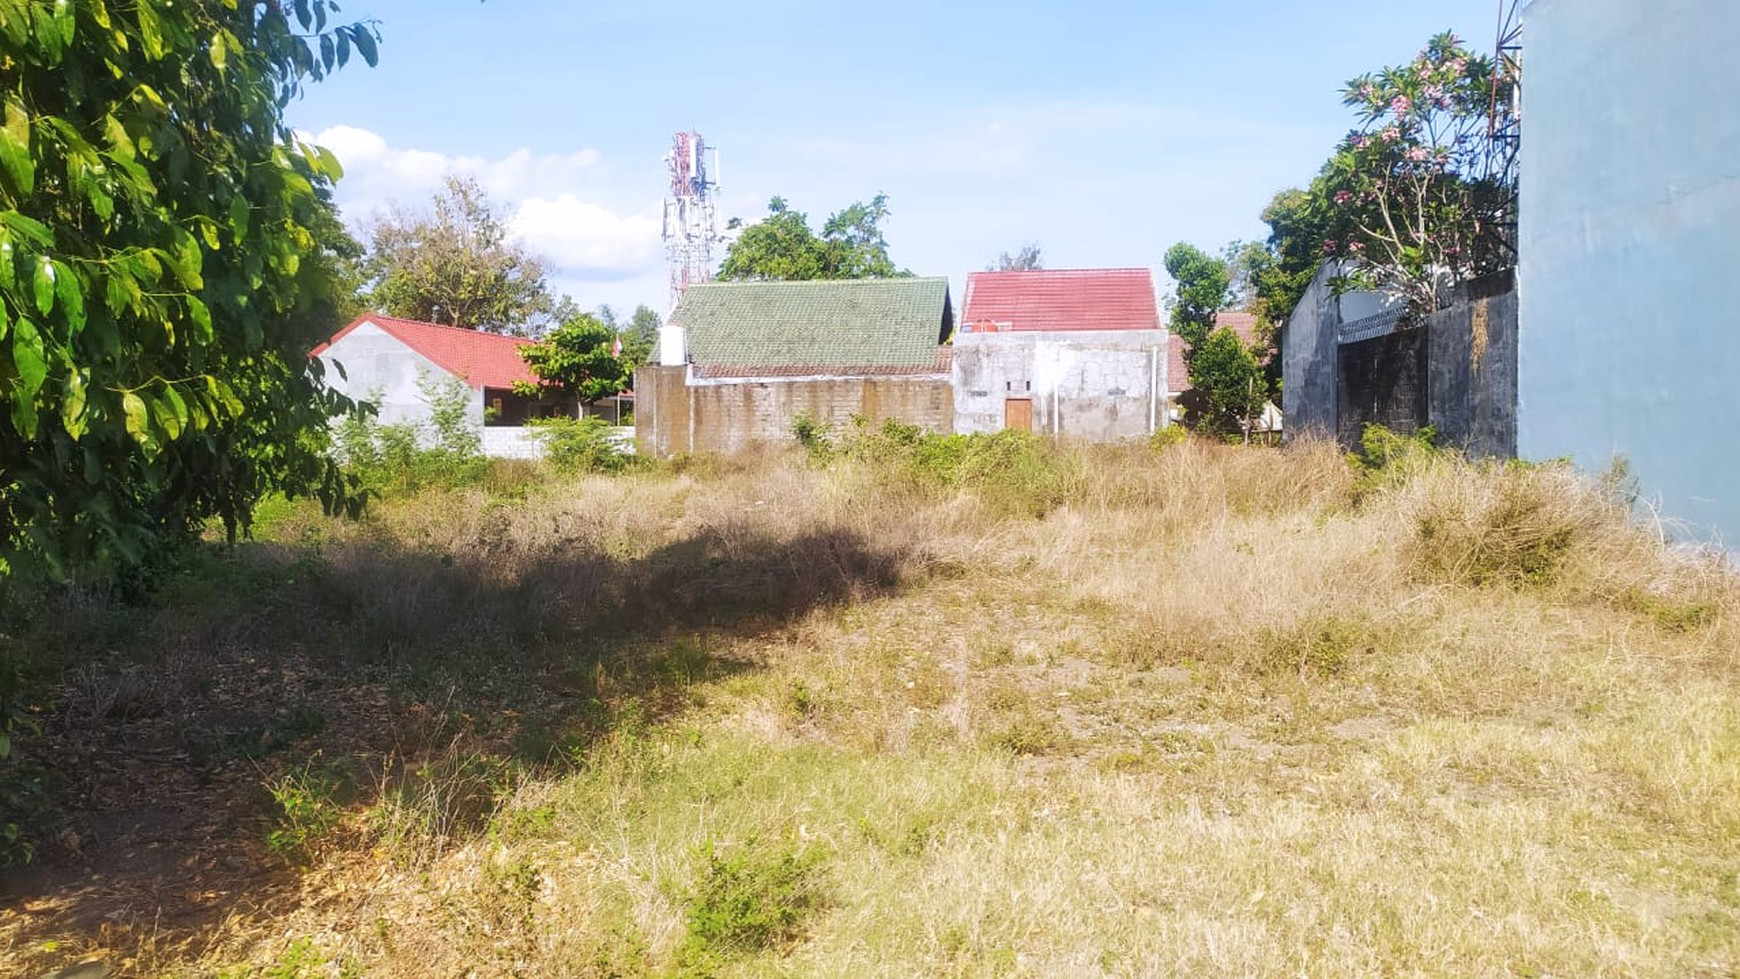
(691, 219)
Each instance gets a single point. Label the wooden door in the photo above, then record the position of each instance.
(1018, 414)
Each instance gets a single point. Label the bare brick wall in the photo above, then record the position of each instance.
(673, 416)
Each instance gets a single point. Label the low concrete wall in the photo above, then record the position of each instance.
(675, 413)
(1101, 385)
(511, 442)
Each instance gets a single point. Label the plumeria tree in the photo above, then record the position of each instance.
(1414, 203)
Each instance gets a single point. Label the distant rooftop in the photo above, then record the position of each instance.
(828, 326)
(477, 358)
(1060, 299)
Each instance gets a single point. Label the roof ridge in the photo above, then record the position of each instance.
(1095, 271)
(465, 330)
(762, 283)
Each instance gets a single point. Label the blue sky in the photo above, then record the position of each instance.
(1102, 131)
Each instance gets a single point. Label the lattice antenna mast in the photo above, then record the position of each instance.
(691, 216)
(1504, 120)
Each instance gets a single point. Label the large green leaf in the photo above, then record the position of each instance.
(150, 30)
(69, 291)
(15, 147)
(365, 44)
(28, 357)
(28, 228)
(170, 414)
(43, 284)
(137, 419)
(73, 415)
(201, 316)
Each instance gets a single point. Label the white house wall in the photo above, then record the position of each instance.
(1099, 385)
(377, 363)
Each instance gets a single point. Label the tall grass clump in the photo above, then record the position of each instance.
(1506, 525)
(1011, 471)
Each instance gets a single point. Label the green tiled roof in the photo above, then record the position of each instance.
(836, 323)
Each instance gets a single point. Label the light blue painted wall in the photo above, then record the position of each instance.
(1630, 247)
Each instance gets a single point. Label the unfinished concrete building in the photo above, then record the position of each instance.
(1073, 353)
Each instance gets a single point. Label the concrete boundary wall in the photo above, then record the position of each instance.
(677, 413)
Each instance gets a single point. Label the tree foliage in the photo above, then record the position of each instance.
(641, 340)
(162, 271)
(638, 338)
(1027, 258)
(455, 265)
(577, 359)
(1299, 223)
(782, 246)
(1202, 287)
(1410, 202)
(1227, 382)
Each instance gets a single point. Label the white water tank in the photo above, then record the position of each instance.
(673, 346)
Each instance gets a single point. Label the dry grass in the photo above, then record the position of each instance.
(1220, 712)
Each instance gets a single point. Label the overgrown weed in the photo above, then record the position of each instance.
(1191, 712)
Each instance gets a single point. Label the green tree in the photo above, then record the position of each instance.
(782, 247)
(641, 339)
(1227, 383)
(162, 272)
(853, 246)
(1226, 376)
(1202, 288)
(455, 265)
(577, 359)
(1299, 223)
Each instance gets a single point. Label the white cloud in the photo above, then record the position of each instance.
(579, 234)
(354, 147)
(558, 204)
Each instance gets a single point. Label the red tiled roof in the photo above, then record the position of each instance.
(1177, 380)
(944, 359)
(482, 360)
(1061, 299)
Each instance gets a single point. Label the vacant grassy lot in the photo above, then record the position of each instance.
(1010, 711)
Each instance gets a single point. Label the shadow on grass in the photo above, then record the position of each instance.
(364, 667)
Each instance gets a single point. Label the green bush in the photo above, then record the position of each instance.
(1387, 458)
(1164, 438)
(445, 451)
(1014, 471)
(308, 811)
(813, 436)
(581, 445)
(749, 898)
